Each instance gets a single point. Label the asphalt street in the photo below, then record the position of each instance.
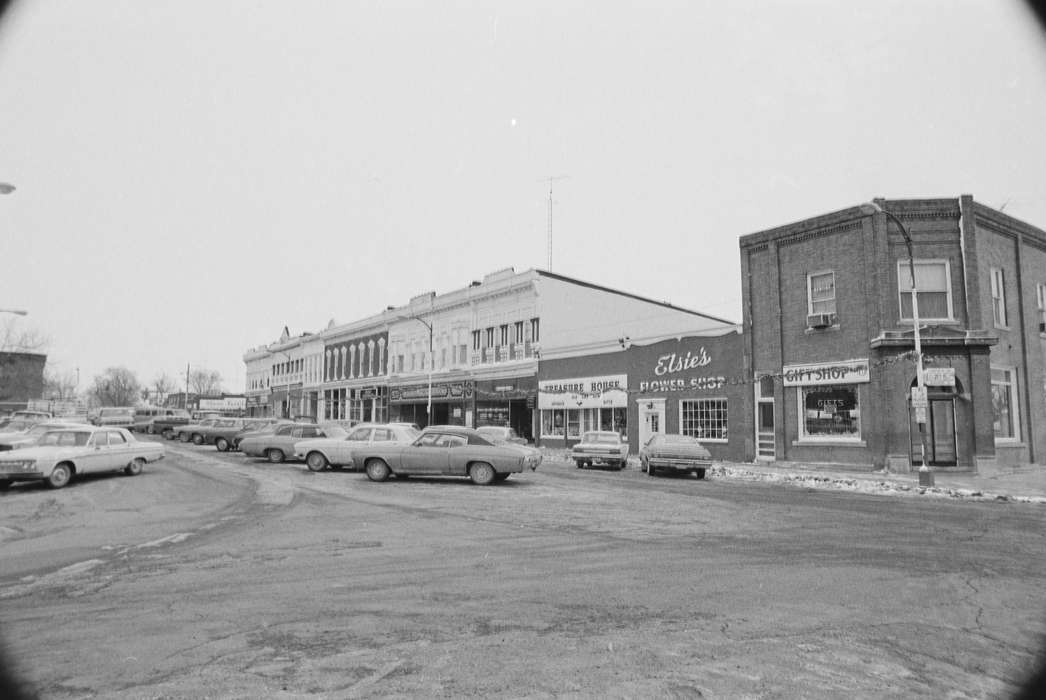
(214, 575)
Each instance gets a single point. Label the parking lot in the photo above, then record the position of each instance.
(214, 575)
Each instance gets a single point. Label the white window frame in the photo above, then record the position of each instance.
(805, 438)
(1015, 404)
(904, 273)
(696, 401)
(998, 290)
(1040, 293)
(810, 292)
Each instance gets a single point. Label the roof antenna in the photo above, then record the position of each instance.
(551, 179)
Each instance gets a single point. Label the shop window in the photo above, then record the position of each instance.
(705, 419)
(589, 419)
(998, 285)
(519, 332)
(933, 289)
(1004, 404)
(553, 423)
(573, 423)
(820, 293)
(830, 412)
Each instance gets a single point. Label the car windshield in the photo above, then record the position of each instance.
(602, 438)
(65, 438)
(39, 429)
(16, 426)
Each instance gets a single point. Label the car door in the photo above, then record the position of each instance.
(458, 454)
(341, 451)
(96, 454)
(119, 450)
(425, 456)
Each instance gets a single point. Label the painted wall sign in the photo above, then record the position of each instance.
(681, 384)
(229, 403)
(585, 392)
(673, 362)
(845, 372)
(455, 390)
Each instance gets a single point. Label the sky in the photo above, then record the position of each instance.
(193, 176)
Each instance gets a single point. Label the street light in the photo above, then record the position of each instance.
(920, 408)
(428, 408)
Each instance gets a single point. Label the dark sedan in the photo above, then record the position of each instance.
(679, 453)
(447, 451)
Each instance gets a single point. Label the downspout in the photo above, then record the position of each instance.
(962, 251)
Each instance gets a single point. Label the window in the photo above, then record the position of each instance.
(998, 297)
(359, 435)
(821, 292)
(116, 438)
(519, 332)
(535, 330)
(1040, 292)
(830, 412)
(705, 419)
(573, 423)
(504, 334)
(1004, 404)
(490, 337)
(933, 287)
(476, 340)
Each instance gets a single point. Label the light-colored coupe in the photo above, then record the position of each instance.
(320, 453)
(279, 444)
(62, 453)
(447, 451)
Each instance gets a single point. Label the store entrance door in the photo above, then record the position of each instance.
(651, 418)
(939, 429)
(764, 420)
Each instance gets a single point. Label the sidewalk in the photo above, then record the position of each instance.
(1024, 484)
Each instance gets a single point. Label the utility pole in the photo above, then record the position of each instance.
(185, 404)
(551, 179)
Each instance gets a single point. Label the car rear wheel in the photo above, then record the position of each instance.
(316, 462)
(59, 476)
(378, 470)
(135, 467)
(482, 473)
(184, 437)
(275, 455)
(222, 444)
(168, 434)
(197, 439)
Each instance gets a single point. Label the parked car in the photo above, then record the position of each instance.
(501, 432)
(320, 453)
(279, 444)
(62, 453)
(115, 416)
(600, 447)
(223, 432)
(29, 436)
(192, 432)
(265, 426)
(34, 416)
(167, 425)
(145, 417)
(447, 451)
(681, 453)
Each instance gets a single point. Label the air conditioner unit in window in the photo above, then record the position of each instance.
(820, 320)
(1042, 326)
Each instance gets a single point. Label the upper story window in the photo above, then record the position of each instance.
(519, 332)
(535, 330)
(490, 337)
(1006, 423)
(503, 334)
(998, 280)
(933, 289)
(1040, 293)
(820, 294)
(476, 340)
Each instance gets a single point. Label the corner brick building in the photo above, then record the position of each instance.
(829, 341)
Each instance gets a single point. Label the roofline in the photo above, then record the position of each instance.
(665, 304)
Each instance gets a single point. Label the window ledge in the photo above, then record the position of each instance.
(833, 327)
(812, 442)
(1009, 443)
(1002, 328)
(930, 321)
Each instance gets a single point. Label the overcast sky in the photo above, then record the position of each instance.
(192, 176)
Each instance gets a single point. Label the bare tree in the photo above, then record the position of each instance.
(60, 385)
(14, 339)
(163, 385)
(117, 386)
(205, 382)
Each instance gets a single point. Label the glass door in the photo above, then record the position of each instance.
(764, 419)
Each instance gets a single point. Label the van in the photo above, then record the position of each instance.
(144, 417)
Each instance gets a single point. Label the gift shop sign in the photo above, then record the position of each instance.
(845, 372)
(586, 392)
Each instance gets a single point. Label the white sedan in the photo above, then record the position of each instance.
(321, 453)
(62, 453)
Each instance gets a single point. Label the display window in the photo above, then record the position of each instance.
(705, 419)
(830, 412)
(570, 423)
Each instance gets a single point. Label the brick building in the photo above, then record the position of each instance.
(829, 338)
(21, 379)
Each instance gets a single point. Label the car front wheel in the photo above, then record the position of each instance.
(316, 462)
(59, 476)
(222, 444)
(377, 470)
(482, 473)
(135, 467)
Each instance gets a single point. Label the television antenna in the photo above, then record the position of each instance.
(551, 179)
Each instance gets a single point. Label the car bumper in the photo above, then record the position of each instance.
(676, 463)
(599, 456)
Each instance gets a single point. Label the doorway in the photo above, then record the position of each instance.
(651, 418)
(764, 420)
(939, 429)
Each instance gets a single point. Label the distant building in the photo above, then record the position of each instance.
(21, 379)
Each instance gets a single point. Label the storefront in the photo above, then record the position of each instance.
(508, 402)
(691, 386)
(452, 403)
(361, 404)
(258, 406)
(570, 406)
